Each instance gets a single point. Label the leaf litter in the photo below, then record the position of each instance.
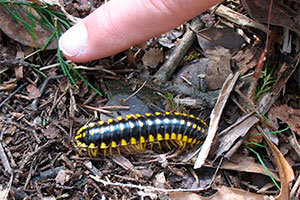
(41, 111)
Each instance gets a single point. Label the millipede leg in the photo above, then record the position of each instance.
(126, 147)
(110, 150)
(184, 145)
(168, 145)
(140, 147)
(173, 143)
(89, 152)
(159, 145)
(104, 152)
(134, 147)
(179, 143)
(151, 146)
(94, 152)
(80, 150)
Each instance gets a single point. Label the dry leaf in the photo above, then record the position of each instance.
(123, 162)
(223, 193)
(219, 67)
(246, 164)
(51, 132)
(62, 177)
(34, 92)
(286, 172)
(247, 58)
(13, 28)
(216, 37)
(215, 118)
(288, 115)
(281, 15)
(238, 131)
(8, 86)
(153, 57)
(18, 72)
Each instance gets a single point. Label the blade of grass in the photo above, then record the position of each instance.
(84, 80)
(265, 167)
(272, 132)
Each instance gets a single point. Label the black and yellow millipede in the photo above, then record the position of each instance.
(135, 132)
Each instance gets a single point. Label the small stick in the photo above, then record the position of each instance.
(167, 69)
(141, 187)
(215, 117)
(4, 159)
(12, 94)
(263, 56)
(133, 94)
(115, 107)
(34, 104)
(96, 109)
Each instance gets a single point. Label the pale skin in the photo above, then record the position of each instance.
(119, 24)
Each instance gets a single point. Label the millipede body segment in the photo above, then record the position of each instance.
(136, 131)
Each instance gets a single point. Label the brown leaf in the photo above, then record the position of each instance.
(51, 131)
(288, 115)
(12, 28)
(286, 172)
(153, 57)
(18, 72)
(216, 37)
(246, 164)
(228, 140)
(34, 92)
(123, 162)
(219, 67)
(223, 193)
(281, 14)
(8, 86)
(63, 176)
(160, 181)
(247, 58)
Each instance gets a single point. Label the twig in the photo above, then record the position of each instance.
(167, 69)
(16, 62)
(215, 118)
(4, 159)
(263, 57)
(133, 94)
(30, 155)
(34, 104)
(12, 94)
(295, 187)
(52, 66)
(238, 18)
(294, 143)
(96, 109)
(141, 187)
(9, 185)
(96, 68)
(56, 101)
(115, 107)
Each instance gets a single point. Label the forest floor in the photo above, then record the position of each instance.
(227, 67)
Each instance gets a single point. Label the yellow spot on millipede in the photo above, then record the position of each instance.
(123, 142)
(151, 138)
(103, 145)
(132, 140)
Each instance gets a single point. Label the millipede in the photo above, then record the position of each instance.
(138, 131)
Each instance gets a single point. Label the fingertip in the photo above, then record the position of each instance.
(74, 42)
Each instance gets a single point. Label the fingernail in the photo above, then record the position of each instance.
(74, 41)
